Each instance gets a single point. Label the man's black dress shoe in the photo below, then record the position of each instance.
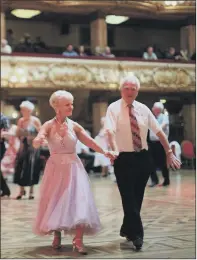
(138, 243)
(122, 234)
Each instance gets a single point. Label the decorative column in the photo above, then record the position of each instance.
(98, 28)
(99, 110)
(188, 39)
(189, 117)
(3, 26)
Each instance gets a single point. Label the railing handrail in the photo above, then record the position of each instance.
(45, 55)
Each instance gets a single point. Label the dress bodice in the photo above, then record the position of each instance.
(28, 133)
(62, 145)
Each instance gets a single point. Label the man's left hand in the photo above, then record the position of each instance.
(173, 162)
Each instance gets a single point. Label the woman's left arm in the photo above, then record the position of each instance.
(89, 141)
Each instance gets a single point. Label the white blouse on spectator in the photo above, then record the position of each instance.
(117, 120)
(6, 49)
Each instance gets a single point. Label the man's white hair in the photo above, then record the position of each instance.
(57, 95)
(130, 79)
(159, 105)
(27, 104)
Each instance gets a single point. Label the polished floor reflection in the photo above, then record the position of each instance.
(168, 215)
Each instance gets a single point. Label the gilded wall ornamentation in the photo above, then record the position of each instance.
(41, 72)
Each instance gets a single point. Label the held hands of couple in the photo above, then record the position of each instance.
(112, 155)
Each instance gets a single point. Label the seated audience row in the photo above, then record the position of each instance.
(170, 54)
(70, 52)
(38, 46)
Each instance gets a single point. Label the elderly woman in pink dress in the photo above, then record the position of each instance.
(66, 202)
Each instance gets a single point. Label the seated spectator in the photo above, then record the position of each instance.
(39, 45)
(10, 37)
(193, 57)
(171, 53)
(25, 44)
(182, 55)
(149, 54)
(97, 51)
(28, 43)
(82, 51)
(20, 47)
(5, 48)
(108, 53)
(70, 51)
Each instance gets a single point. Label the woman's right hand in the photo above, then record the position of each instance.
(38, 141)
(111, 155)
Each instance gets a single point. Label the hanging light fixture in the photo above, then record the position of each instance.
(25, 13)
(115, 19)
(173, 3)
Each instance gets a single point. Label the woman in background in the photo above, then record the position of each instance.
(28, 163)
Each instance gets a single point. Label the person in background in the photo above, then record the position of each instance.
(5, 48)
(149, 54)
(107, 53)
(85, 155)
(182, 55)
(156, 148)
(70, 51)
(82, 51)
(10, 37)
(176, 149)
(170, 54)
(97, 51)
(39, 45)
(28, 162)
(9, 158)
(101, 160)
(4, 125)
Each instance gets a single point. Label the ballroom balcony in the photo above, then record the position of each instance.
(57, 72)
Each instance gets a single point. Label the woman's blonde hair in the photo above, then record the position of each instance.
(57, 95)
(27, 104)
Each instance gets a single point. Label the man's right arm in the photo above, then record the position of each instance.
(110, 128)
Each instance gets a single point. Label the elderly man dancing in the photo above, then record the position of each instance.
(127, 124)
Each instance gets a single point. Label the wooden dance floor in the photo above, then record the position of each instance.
(168, 215)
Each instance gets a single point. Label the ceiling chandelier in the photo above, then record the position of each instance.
(115, 19)
(25, 13)
(173, 3)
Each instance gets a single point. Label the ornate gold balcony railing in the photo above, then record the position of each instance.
(31, 71)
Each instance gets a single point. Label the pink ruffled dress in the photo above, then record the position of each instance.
(66, 200)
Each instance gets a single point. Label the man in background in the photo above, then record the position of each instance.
(157, 150)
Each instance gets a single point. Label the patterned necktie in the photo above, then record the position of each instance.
(137, 142)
